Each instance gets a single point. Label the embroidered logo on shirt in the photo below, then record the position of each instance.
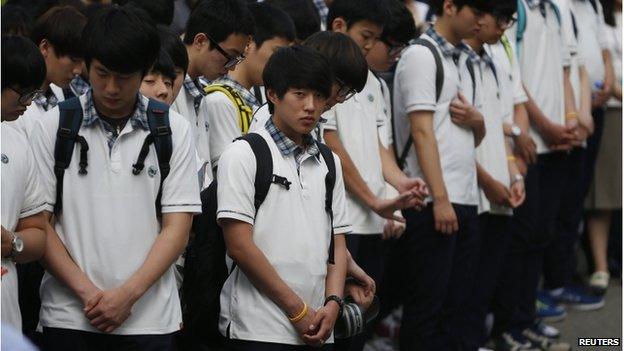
(5, 159)
(151, 171)
(371, 98)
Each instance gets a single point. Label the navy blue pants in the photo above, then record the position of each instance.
(494, 243)
(244, 345)
(57, 339)
(438, 268)
(533, 229)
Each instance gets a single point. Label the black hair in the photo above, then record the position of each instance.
(270, 22)
(503, 8)
(303, 13)
(164, 65)
(23, 65)
(61, 26)
(172, 45)
(345, 57)
(608, 9)
(34, 8)
(353, 11)
(160, 11)
(16, 20)
(219, 19)
(481, 5)
(401, 27)
(121, 40)
(93, 9)
(297, 67)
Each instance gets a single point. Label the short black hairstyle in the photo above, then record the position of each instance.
(121, 40)
(23, 65)
(304, 15)
(299, 67)
(481, 5)
(353, 11)
(61, 26)
(173, 46)
(345, 57)
(401, 28)
(503, 8)
(164, 65)
(160, 11)
(219, 19)
(16, 20)
(271, 22)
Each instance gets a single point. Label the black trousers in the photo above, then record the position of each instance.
(438, 268)
(57, 339)
(495, 238)
(244, 345)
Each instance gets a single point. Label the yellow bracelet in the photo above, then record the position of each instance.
(511, 158)
(300, 316)
(571, 116)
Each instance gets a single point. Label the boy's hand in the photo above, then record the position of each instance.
(360, 294)
(518, 194)
(464, 114)
(444, 216)
(386, 207)
(393, 229)
(525, 147)
(417, 186)
(496, 192)
(111, 309)
(322, 325)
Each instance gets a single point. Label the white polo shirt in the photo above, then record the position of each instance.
(615, 45)
(592, 37)
(21, 197)
(491, 153)
(543, 56)
(385, 131)
(27, 121)
(259, 118)
(109, 224)
(414, 90)
(291, 228)
(357, 121)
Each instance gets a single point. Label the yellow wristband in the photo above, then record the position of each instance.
(511, 158)
(571, 115)
(301, 314)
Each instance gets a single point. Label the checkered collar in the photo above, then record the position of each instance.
(46, 100)
(138, 118)
(244, 93)
(449, 49)
(322, 9)
(79, 86)
(286, 145)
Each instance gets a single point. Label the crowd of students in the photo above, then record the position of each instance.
(437, 154)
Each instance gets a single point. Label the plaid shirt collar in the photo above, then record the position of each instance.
(249, 98)
(138, 118)
(287, 146)
(192, 89)
(46, 100)
(79, 86)
(449, 49)
(322, 9)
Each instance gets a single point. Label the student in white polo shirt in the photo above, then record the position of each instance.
(217, 34)
(283, 293)
(57, 34)
(230, 119)
(440, 244)
(23, 222)
(109, 282)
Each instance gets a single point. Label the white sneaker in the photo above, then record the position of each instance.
(599, 281)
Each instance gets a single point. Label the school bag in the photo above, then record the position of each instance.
(70, 120)
(205, 269)
(439, 82)
(522, 21)
(244, 111)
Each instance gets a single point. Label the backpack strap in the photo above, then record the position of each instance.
(264, 166)
(439, 82)
(70, 120)
(244, 111)
(258, 94)
(160, 135)
(471, 71)
(330, 181)
(520, 26)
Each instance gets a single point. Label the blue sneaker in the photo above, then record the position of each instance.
(549, 312)
(577, 298)
(546, 330)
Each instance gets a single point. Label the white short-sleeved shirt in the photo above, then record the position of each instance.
(259, 119)
(615, 45)
(592, 37)
(542, 58)
(21, 197)
(291, 228)
(414, 90)
(27, 121)
(223, 121)
(491, 153)
(109, 224)
(185, 106)
(357, 121)
(385, 131)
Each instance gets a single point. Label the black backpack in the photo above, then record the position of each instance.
(439, 82)
(205, 269)
(70, 120)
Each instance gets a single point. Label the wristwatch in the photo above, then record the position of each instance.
(517, 178)
(17, 246)
(338, 300)
(515, 131)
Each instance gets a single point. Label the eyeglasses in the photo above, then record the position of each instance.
(25, 98)
(345, 92)
(505, 21)
(393, 49)
(231, 60)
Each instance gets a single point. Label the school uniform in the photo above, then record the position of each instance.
(438, 267)
(291, 228)
(109, 223)
(22, 197)
(223, 116)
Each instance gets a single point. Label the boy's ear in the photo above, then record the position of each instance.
(200, 41)
(45, 48)
(339, 25)
(272, 96)
(449, 7)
